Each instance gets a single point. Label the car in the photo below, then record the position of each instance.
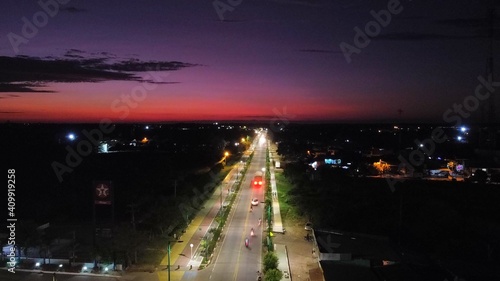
(308, 226)
(255, 202)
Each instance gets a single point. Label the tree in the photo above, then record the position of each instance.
(273, 275)
(270, 261)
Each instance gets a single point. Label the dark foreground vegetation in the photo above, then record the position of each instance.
(442, 219)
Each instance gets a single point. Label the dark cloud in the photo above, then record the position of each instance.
(483, 22)
(319, 51)
(21, 88)
(414, 36)
(72, 9)
(460, 22)
(260, 117)
(29, 74)
(310, 3)
(159, 83)
(9, 96)
(232, 21)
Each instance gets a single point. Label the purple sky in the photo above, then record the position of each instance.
(177, 60)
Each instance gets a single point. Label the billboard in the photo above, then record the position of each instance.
(102, 193)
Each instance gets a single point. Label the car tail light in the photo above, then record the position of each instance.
(260, 183)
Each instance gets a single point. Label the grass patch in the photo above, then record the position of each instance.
(289, 213)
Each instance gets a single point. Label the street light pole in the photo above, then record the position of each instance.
(168, 260)
(191, 246)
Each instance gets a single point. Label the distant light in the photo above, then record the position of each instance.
(71, 136)
(346, 140)
(421, 145)
(60, 265)
(463, 129)
(147, 127)
(84, 268)
(37, 264)
(106, 269)
(459, 138)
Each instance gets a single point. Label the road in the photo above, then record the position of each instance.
(234, 261)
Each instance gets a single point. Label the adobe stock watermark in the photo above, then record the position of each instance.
(199, 198)
(454, 115)
(281, 120)
(92, 138)
(40, 19)
(372, 29)
(225, 6)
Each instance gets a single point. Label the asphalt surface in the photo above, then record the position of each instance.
(233, 260)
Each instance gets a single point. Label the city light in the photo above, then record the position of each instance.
(71, 136)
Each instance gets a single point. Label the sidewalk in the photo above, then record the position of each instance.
(277, 223)
(283, 263)
(180, 254)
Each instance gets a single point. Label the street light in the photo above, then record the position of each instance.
(191, 246)
(238, 170)
(168, 257)
(226, 154)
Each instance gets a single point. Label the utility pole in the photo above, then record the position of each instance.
(132, 207)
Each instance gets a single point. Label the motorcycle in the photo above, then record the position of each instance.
(246, 242)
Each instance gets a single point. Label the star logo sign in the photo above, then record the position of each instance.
(102, 191)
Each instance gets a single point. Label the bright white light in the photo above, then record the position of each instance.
(106, 269)
(147, 127)
(37, 264)
(60, 265)
(459, 138)
(463, 129)
(421, 145)
(84, 268)
(71, 136)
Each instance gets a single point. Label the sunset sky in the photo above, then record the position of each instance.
(178, 60)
